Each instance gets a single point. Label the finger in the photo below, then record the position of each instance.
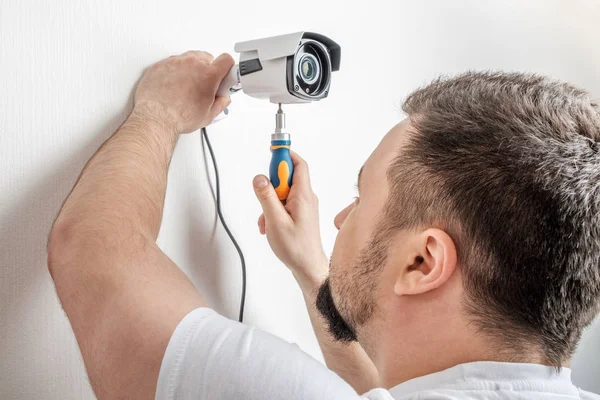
(261, 224)
(301, 178)
(273, 210)
(222, 65)
(200, 55)
(220, 104)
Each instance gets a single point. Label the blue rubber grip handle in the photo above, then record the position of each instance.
(281, 169)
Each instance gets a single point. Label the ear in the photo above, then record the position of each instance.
(431, 262)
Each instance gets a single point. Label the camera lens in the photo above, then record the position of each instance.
(309, 71)
(309, 68)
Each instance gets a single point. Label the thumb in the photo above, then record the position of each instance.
(222, 65)
(273, 210)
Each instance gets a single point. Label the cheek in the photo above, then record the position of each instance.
(342, 249)
(351, 238)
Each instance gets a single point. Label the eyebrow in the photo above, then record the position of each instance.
(360, 175)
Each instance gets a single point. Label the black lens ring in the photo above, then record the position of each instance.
(317, 87)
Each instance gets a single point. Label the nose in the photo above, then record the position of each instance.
(341, 217)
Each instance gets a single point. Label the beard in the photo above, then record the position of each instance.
(337, 326)
(355, 291)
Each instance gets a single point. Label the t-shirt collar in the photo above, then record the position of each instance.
(481, 371)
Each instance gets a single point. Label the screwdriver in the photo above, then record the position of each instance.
(281, 168)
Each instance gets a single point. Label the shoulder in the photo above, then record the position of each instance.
(212, 357)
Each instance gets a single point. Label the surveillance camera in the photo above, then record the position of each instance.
(292, 68)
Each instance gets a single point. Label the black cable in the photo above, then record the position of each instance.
(219, 212)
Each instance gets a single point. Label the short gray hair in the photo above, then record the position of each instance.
(509, 165)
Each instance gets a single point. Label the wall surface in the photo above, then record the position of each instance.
(67, 69)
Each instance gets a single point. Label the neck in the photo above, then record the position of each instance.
(433, 344)
(428, 354)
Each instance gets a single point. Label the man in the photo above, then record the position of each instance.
(467, 269)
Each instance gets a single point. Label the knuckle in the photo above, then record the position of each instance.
(189, 59)
(206, 54)
(265, 194)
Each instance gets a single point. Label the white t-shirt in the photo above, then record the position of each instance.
(210, 357)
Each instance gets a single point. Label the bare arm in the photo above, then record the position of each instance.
(293, 233)
(123, 296)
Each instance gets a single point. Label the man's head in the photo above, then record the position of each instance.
(487, 198)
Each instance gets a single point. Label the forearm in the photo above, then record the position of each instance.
(122, 294)
(122, 188)
(348, 360)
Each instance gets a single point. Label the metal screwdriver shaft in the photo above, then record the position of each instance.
(281, 168)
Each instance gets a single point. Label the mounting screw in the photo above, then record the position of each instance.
(296, 88)
(307, 90)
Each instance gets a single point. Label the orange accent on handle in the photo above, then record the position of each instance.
(283, 172)
(279, 147)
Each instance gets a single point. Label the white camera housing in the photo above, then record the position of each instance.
(287, 69)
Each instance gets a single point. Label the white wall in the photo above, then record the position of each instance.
(67, 69)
